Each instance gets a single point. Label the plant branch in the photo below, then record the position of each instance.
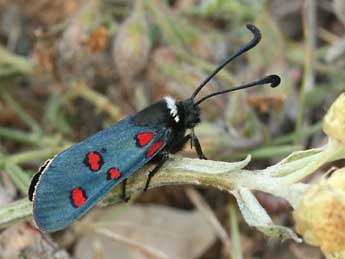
(226, 176)
(15, 212)
(222, 175)
(309, 76)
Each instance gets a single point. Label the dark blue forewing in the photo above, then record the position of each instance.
(117, 146)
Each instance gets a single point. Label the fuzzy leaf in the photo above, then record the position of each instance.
(256, 216)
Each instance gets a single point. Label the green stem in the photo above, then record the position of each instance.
(273, 151)
(15, 212)
(19, 136)
(28, 156)
(13, 63)
(19, 177)
(236, 251)
(23, 115)
(308, 80)
(305, 133)
(265, 152)
(99, 100)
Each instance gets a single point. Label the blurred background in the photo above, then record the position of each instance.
(70, 68)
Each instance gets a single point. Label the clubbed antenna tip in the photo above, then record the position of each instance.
(275, 80)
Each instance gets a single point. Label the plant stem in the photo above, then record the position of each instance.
(20, 178)
(100, 101)
(28, 156)
(221, 175)
(305, 133)
(11, 64)
(18, 135)
(308, 80)
(236, 251)
(15, 212)
(22, 114)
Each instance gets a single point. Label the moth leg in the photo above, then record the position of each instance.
(152, 172)
(195, 142)
(124, 196)
(198, 148)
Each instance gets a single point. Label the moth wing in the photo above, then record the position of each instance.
(74, 180)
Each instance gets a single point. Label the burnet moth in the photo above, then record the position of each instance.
(71, 183)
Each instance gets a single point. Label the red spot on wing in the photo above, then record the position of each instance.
(154, 147)
(113, 173)
(144, 138)
(78, 197)
(94, 160)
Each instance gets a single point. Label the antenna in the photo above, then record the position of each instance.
(274, 80)
(256, 39)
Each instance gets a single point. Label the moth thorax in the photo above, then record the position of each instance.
(172, 107)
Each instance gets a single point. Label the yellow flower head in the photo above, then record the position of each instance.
(334, 121)
(320, 216)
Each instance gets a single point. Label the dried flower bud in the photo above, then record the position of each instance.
(320, 216)
(334, 121)
(98, 40)
(132, 45)
(81, 51)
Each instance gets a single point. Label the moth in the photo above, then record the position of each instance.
(73, 181)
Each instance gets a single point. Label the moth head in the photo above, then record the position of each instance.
(190, 113)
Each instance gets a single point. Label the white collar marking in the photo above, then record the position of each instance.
(171, 104)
